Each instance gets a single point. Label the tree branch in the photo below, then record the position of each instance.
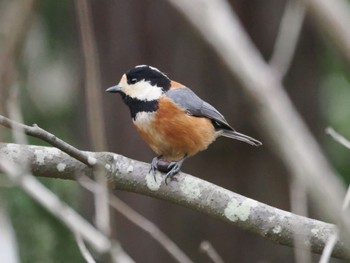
(207, 248)
(9, 247)
(16, 19)
(287, 38)
(334, 18)
(130, 175)
(50, 138)
(94, 110)
(327, 251)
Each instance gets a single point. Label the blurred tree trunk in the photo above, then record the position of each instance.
(151, 32)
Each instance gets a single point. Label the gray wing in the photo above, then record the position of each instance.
(194, 105)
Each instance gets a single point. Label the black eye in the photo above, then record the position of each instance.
(133, 80)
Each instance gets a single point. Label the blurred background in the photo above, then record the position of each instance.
(48, 70)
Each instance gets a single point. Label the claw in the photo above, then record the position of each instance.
(174, 169)
(154, 165)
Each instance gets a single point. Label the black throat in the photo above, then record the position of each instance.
(137, 106)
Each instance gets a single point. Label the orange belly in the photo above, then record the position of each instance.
(173, 134)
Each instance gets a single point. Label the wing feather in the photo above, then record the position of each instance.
(194, 105)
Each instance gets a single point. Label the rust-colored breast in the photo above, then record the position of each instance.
(179, 133)
(173, 133)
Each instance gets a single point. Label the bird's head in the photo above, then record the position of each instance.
(143, 83)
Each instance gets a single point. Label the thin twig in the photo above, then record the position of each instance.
(346, 200)
(337, 137)
(92, 77)
(298, 199)
(14, 110)
(327, 251)
(287, 38)
(207, 248)
(331, 243)
(140, 221)
(20, 14)
(94, 109)
(40, 133)
(83, 250)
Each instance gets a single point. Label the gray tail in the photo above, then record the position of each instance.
(241, 137)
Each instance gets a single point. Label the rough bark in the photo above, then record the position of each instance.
(130, 175)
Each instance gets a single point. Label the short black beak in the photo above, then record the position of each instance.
(114, 89)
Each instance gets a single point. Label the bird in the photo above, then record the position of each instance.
(171, 118)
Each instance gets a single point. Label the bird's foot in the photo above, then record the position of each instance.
(170, 168)
(154, 166)
(173, 168)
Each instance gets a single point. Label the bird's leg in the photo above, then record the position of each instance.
(154, 166)
(174, 169)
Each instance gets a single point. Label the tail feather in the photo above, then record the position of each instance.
(241, 137)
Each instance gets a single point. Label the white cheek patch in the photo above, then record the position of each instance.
(143, 90)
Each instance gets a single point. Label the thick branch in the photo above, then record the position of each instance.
(130, 175)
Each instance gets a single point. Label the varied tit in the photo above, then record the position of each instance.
(171, 118)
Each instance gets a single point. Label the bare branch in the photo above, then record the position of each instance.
(208, 249)
(126, 174)
(94, 109)
(337, 137)
(287, 38)
(83, 249)
(92, 76)
(327, 252)
(16, 21)
(334, 17)
(298, 200)
(8, 248)
(37, 132)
